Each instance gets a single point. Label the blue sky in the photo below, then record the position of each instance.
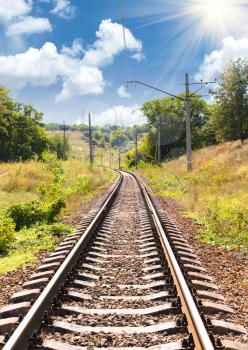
(69, 58)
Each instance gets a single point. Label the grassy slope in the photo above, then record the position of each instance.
(215, 193)
(20, 182)
(80, 150)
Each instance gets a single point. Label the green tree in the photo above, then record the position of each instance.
(118, 138)
(170, 113)
(21, 132)
(58, 145)
(229, 114)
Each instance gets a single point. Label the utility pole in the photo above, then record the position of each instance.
(110, 156)
(186, 100)
(119, 158)
(159, 138)
(90, 141)
(136, 148)
(64, 140)
(188, 124)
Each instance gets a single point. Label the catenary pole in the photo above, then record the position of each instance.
(110, 156)
(159, 138)
(119, 158)
(136, 148)
(64, 155)
(90, 141)
(188, 124)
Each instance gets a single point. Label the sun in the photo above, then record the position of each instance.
(215, 9)
(217, 14)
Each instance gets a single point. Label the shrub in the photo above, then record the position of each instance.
(7, 229)
(53, 209)
(83, 184)
(41, 236)
(28, 213)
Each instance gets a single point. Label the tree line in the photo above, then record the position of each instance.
(114, 135)
(224, 118)
(22, 133)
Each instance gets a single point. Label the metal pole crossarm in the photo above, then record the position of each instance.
(203, 84)
(208, 82)
(154, 88)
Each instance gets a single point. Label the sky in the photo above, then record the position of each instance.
(73, 57)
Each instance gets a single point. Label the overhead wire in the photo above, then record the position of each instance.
(122, 17)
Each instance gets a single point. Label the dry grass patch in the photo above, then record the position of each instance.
(215, 193)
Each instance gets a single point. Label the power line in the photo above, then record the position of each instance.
(187, 98)
(122, 7)
(154, 88)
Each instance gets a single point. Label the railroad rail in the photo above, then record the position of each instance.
(126, 279)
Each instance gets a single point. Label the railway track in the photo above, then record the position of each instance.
(126, 279)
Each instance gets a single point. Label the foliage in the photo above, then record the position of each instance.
(7, 229)
(118, 138)
(28, 213)
(59, 145)
(27, 242)
(214, 194)
(143, 153)
(229, 115)
(170, 115)
(21, 132)
(41, 236)
(225, 226)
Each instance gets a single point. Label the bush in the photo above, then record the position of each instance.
(41, 236)
(28, 213)
(7, 229)
(84, 184)
(59, 146)
(53, 209)
(225, 227)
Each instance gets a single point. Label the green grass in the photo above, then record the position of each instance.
(16, 260)
(79, 150)
(71, 180)
(214, 194)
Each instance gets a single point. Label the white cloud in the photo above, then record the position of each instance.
(215, 63)
(14, 16)
(77, 69)
(29, 25)
(83, 81)
(122, 92)
(119, 115)
(110, 43)
(139, 56)
(64, 9)
(75, 50)
(9, 10)
(44, 66)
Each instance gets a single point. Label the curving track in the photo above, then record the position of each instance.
(125, 279)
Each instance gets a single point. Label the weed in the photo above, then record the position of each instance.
(215, 192)
(7, 229)
(28, 213)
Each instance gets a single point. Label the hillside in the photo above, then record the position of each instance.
(79, 149)
(214, 194)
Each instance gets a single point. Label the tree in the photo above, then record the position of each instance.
(21, 132)
(170, 114)
(118, 138)
(58, 145)
(229, 114)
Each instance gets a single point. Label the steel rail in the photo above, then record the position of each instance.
(196, 325)
(20, 338)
